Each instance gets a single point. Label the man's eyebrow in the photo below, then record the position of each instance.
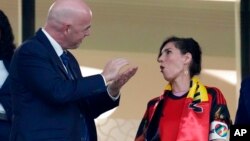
(88, 27)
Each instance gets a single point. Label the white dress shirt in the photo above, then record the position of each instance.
(3, 75)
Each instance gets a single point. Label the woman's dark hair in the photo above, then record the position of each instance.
(186, 45)
(7, 45)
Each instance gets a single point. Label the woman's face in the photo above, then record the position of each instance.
(172, 62)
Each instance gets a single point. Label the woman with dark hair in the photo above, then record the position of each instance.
(7, 48)
(187, 110)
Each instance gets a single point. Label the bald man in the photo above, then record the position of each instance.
(52, 101)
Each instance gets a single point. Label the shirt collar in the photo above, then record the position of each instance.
(54, 43)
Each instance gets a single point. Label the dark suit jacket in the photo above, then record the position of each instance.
(243, 111)
(47, 106)
(5, 97)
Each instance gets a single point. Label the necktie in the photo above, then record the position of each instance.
(65, 59)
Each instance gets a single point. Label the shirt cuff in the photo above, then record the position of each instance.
(112, 97)
(104, 79)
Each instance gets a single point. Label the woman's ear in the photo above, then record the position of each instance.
(188, 58)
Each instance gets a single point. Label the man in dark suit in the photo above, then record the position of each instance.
(51, 99)
(243, 111)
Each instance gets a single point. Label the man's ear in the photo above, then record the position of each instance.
(66, 28)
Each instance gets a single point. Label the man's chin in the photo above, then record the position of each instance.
(76, 46)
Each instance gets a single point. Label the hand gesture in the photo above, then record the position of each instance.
(115, 86)
(112, 68)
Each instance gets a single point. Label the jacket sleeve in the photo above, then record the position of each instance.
(37, 71)
(98, 103)
(219, 109)
(140, 135)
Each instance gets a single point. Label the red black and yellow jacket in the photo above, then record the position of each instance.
(196, 117)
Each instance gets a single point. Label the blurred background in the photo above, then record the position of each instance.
(135, 29)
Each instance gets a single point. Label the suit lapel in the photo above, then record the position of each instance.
(54, 57)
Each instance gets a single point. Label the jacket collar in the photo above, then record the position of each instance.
(43, 39)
